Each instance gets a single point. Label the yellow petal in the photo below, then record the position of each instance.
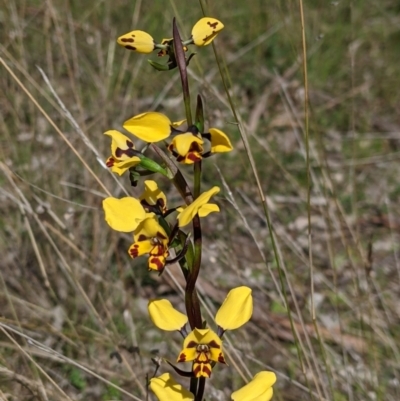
(119, 141)
(140, 248)
(167, 389)
(137, 41)
(205, 30)
(187, 355)
(236, 310)
(178, 123)
(123, 214)
(149, 127)
(165, 316)
(184, 142)
(153, 195)
(149, 228)
(219, 141)
(122, 166)
(202, 336)
(258, 389)
(205, 210)
(187, 214)
(157, 263)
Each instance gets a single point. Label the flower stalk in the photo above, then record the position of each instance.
(167, 234)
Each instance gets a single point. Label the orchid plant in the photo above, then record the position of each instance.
(157, 227)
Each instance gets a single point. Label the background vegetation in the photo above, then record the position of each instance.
(70, 296)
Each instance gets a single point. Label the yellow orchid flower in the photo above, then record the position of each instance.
(150, 238)
(153, 197)
(138, 41)
(258, 389)
(123, 153)
(167, 389)
(128, 215)
(151, 126)
(200, 206)
(205, 30)
(204, 346)
(187, 148)
(124, 214)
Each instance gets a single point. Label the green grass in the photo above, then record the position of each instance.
(52, 226)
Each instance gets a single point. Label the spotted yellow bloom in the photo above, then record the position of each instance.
(200, 206)
(258, 389)
(203, 347)
(205, 30)
(188, 147)
(128, 215)
(138, 41)
(123, 153)
(150, 238)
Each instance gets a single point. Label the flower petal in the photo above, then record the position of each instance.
(208, 208)
(187, 214)
(149, 127)
(152, 195)
(138, 41)
(187, 355)
(124, 165)
(184, 142)
(236, 310)
(167, 389)
(165, 316)
(149, 228)
(157, 262)
(219, 141)
(123, 214)
(140, 248)
(121, 142)
(258, 389)
(205, 30)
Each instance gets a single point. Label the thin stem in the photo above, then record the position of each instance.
(197, 179)
(181, 61)
(200, 390)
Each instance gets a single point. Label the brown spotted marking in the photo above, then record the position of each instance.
(214, 344)
(155, 261)
(110, 162)
(212, 25)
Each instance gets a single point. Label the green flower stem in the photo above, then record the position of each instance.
(197, 179)
(181, 61)
(199, 121)
(191, 299)
(192, 303)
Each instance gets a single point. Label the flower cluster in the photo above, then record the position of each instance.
(161, 232)
(203, 33)
(144, 217)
